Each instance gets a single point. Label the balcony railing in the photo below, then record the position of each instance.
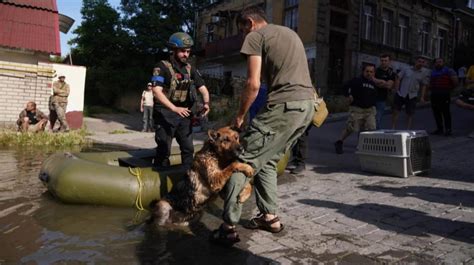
(224, 46)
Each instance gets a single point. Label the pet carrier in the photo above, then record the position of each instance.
(393, 152)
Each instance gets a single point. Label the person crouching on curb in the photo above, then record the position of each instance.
(362, 96)
(31, 119)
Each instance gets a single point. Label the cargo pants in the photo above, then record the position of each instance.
(59, 113)
(169, 125)
(270, 135)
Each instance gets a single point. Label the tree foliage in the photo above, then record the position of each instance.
(120, 49)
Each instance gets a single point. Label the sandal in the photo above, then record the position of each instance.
(259, 222)
(220, 236)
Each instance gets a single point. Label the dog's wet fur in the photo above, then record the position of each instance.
(211, 169)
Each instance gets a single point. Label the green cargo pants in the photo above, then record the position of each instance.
(59, 113)
(270, 135)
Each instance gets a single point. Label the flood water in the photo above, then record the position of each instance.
(37, 229)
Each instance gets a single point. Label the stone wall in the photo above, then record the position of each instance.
(20, 83)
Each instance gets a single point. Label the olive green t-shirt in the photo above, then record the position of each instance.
(284, 63)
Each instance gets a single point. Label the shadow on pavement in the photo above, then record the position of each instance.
(167, 246)
(400, 220)
(433, 194)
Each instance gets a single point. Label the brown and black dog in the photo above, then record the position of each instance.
(211, 169)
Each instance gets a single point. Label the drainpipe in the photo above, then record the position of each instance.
(455, 35)
(361, 10)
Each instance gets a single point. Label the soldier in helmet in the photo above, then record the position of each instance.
(175, 86)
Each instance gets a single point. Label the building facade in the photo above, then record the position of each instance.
(339, 35)
(29, 34)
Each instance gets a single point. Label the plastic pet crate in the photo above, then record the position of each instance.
(395, 153)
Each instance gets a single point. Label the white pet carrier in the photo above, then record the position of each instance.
(396, 153)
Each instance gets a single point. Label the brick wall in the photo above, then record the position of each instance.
(20, 83)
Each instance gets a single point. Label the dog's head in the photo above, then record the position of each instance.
(225, 141)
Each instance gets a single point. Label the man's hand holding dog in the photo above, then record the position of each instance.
(238, 121)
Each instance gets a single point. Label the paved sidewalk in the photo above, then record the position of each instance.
(335, 213)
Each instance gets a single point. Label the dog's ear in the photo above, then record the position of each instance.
(213, 136)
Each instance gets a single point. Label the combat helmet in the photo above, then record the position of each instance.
(180, 40)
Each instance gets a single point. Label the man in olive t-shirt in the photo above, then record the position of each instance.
(276, 53)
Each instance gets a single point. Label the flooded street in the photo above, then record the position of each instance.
(37, 229)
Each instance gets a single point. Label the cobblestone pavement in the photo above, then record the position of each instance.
(336, 213)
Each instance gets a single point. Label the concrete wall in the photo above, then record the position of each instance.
(20, 83)
(76, 78)
(23, 82)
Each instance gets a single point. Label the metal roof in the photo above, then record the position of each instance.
(30, 24)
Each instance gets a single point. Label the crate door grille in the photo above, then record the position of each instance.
(420, 154)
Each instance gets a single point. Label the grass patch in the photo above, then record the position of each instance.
(119, 132)
(72, 138)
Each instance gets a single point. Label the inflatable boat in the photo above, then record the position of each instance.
(120, 178)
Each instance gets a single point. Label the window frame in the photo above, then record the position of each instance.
(290, 14)
(387, 27)
(403, 30)
(425, 39)
(441, 49)
(369, 28)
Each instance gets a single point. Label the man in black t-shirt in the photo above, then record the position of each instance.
(31, 119)
(362, 95)
(384, 80)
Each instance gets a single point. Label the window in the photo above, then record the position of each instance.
(291, 14)
(368, 22)
(441, 45)
(387, 18)
(470, 4)
(425, 43)
(403, 22)
(210, 32)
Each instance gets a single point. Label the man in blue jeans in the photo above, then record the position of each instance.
(384, 80)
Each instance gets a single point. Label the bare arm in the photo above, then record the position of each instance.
(205, 99)
(382, 83)
(250, 92)
(158, 93)
(424, 88)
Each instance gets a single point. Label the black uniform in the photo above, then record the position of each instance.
(169, 125)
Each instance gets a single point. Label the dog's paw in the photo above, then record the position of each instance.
(244, 168)
(245, 193)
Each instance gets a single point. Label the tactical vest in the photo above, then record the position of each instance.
(179, 89)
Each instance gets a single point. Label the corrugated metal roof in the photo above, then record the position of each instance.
(32, 28)
(49, 5)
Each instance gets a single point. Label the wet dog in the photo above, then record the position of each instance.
(211, 169)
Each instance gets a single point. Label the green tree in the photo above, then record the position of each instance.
(120, 52)
(101, 46)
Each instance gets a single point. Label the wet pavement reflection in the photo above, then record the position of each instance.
(37, 229)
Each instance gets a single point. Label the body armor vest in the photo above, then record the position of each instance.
(179, 89)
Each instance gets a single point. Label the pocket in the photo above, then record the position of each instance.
(257, 136)
(293, 106)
